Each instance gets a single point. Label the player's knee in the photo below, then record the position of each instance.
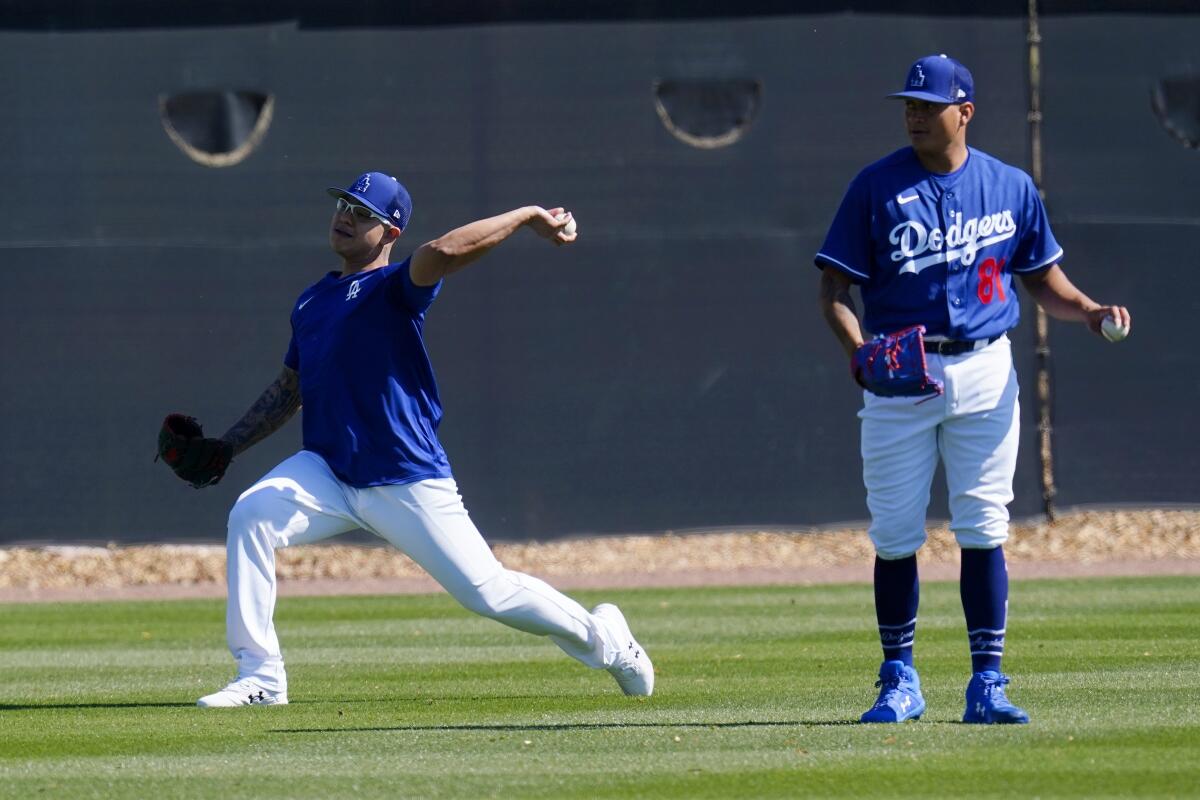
(490, 598)
(247, 518)
(895, 553)
(985, 537)
(479, 603)
(891, 545)
(240, 517)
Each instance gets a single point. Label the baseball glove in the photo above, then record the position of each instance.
(893, 365)
(195, 459)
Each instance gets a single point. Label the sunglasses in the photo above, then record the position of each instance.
(360, 213)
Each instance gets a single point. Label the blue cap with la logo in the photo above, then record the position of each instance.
(381, 193)
(938, 79)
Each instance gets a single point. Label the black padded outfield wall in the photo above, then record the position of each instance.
(1125, 203)
(670, 371)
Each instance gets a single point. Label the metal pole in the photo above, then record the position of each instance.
(1044, 383)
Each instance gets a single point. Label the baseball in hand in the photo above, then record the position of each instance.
(1112, 331)
(569, 228)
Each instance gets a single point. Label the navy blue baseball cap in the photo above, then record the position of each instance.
(938, 79)
(381, 193)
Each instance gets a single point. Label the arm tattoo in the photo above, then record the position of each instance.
(277, 404)
(833, 292)
(837, 306)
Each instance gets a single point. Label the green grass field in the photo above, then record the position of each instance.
(757, 687)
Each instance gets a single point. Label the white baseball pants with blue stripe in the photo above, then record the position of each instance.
(301, 501)
(973, 428)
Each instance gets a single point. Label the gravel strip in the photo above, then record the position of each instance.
(1081, 542)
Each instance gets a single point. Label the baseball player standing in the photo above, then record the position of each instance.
(371, 457)
(933, 235)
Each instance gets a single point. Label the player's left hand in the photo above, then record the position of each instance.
(200, 461)
(546, 225)
(894, 365)
(1120, 315)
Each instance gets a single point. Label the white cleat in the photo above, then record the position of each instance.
(632, 667)
(242, 693)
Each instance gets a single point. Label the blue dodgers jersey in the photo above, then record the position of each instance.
(371, 406)
(940, 250)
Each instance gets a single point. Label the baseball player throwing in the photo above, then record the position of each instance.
(371, 456)
(933, 235)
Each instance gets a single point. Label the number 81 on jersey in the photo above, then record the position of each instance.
(991, 281)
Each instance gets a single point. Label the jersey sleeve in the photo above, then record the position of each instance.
(847, 245)
(406, 294)
(292, 359)
(1037, 249)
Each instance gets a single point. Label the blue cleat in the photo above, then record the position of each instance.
(899, 695)
(987, 703)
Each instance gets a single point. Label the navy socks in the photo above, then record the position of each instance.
(983, 584)
(897, 594)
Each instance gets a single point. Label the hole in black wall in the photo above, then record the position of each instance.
(217, 128)
(708, 113)
(1176, 103)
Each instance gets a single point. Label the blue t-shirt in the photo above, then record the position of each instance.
(371, 406)
(940, 250)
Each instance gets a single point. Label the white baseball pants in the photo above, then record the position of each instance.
(301, 501)
(974, 428)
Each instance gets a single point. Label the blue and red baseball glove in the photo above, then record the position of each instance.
(893, 365)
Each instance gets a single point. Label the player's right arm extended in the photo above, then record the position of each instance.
(278, 403)
(456, 249)
(1054, 292)
(837, 306)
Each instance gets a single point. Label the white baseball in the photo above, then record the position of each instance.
(1112, 331)
(569, 228)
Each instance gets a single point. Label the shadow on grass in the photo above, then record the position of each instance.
(572, 726)
(55, 706)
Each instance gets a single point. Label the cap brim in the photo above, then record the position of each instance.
(359, 199)
(929, 97)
